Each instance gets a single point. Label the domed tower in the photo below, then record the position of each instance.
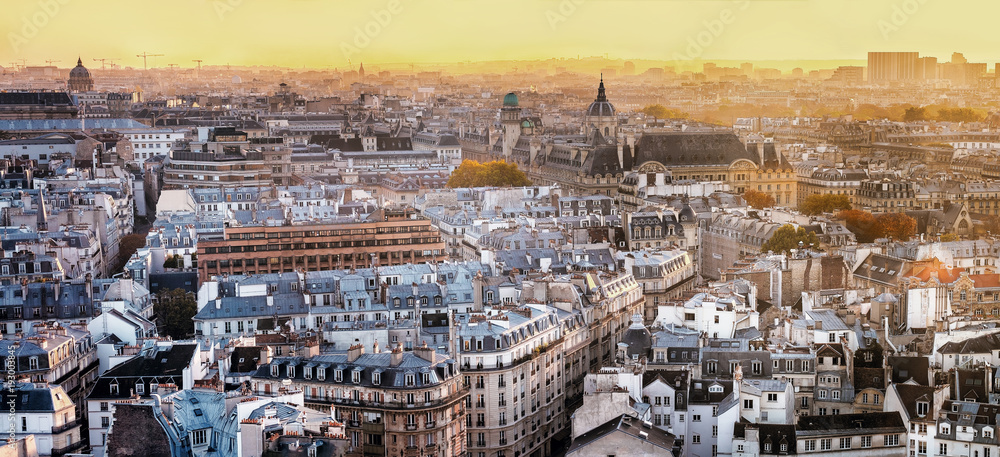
(638, 339)
(510, 119)
(601, 115)
(80, 79)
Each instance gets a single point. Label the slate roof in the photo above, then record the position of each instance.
(692, 149)
(631, 428)
(860, 423)
(978, 345)
(776, 434)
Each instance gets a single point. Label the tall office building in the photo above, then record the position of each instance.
(892, 66)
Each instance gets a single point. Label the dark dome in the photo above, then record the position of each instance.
(638, 338)
(79, 71)
(601, 109)
(687, 213)
(601, 105)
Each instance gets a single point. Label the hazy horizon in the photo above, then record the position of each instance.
(396, 33)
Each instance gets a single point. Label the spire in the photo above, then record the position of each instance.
(79, 62)
(601, 96)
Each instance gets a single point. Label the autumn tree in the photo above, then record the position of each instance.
(662, 112)
(757, 199)
(862, 224)
(174, 310)
(787, 237)
(899, 226)
(960, 115)
(828, 203)
(914, 114)
(490, 174)
(991, 224)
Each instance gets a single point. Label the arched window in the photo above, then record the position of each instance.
(607, 131)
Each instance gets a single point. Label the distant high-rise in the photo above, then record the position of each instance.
(629, 69)
(892, 66)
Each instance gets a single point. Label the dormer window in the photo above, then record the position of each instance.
(307, 373)
(291, 371)
(377, 378)
(922, 408)
(356, 377)
(140, 388)
(274, 370)
(114, 388)
(426, 378)
(321, 373)
(409, 380)
(338, 375)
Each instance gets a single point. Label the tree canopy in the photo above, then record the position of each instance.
(174, 310)
(897, 225)
(490, 174)
(787, 237)
(757, 199)
(868, 227)
(662, 112)
(819, 204)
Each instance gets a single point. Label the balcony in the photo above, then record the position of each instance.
(411, 427)
(353, 424)
(64, 427)
(59, 452)
(429, 424)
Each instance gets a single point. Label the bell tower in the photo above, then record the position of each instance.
(510, 119)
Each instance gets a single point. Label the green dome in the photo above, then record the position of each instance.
(527, 124)
(510, 99)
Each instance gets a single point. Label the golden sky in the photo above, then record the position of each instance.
(326, 33)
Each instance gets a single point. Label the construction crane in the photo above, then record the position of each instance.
(172, 65)
(105, 61)
(144, 55)
(199, 64)
(50, 62)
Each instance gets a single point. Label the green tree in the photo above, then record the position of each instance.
(828, 203)
(787, 237)
(662, 112)
(757, 199)
(914, 114)
(127, 246)
(490, 174)
(174, 261)
(174, 310)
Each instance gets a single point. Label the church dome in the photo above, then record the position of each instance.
(510, 99)
(527, 124)
(79, 71)
(80, 79)
(601, 106)
(638, 338)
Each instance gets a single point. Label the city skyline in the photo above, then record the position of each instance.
(343, 34)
